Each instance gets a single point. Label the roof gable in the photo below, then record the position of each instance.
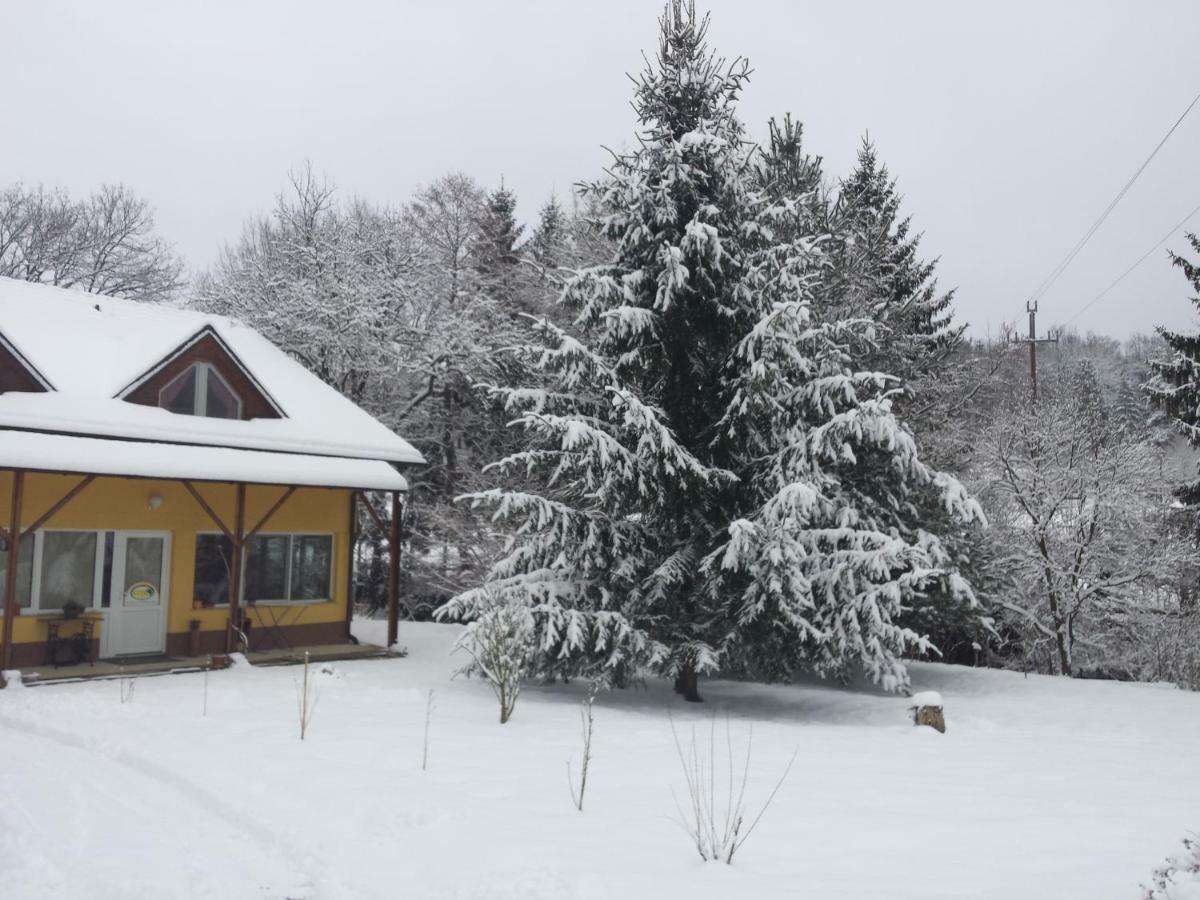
(17, 373)
(204, 346)
(95, 352)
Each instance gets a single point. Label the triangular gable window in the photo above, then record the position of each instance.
(203, 378)
(17, 373)
(200, 391)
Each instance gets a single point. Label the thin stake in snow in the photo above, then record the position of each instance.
(718, 832)
(425, 744)
(126, 685)
(204, 709)
(307, 706)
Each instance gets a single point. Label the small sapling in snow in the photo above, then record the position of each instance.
(715, 818)
(586, 722)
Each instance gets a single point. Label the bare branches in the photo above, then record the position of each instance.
(103, 244)
(718, 828)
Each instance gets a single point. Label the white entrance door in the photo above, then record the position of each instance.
(137, 613)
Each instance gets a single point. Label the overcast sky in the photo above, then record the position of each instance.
(1009, 130)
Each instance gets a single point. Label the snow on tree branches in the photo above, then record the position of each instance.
(710, 481)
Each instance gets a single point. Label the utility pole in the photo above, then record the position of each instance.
(1033, 340)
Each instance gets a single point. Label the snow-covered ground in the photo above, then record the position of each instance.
(1041, 788)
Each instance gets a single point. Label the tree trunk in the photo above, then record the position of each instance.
(687, 684)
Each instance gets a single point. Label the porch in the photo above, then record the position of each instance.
(32, 676)
(142, 549)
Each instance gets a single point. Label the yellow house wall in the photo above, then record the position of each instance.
(117, 504)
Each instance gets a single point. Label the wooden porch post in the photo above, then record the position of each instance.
(393, 600)
(235, 568)
(351, 553)
(10, 575)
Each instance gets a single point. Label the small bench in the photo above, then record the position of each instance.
(75, 647)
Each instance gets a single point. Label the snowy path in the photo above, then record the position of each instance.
(1041, 788)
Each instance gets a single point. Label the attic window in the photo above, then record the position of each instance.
(200, 391)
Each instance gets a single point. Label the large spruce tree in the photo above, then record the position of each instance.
(683, 503)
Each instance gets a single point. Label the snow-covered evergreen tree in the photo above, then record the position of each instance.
(549, 239)
(496, 253)
(684, 503)
(605, 555)
(877, 273)
(1174, 385)
(829, 552)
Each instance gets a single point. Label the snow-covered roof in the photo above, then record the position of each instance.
(91, 348)
(61, 453)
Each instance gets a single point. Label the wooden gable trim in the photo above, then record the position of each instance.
(17, 373)
(205, 346)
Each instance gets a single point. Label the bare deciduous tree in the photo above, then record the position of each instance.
(1077, 499)
(103, 244)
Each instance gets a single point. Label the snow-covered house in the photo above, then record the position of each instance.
(151, 457)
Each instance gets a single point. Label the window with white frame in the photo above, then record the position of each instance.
(200, 391)
(58, 567)
(278, 568)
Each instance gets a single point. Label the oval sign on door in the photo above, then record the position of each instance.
(141, 592)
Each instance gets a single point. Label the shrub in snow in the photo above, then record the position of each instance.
(500, 644)
(715, 815)
(709, 477)
(1179, 878)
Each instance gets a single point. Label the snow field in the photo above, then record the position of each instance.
(1041, 788)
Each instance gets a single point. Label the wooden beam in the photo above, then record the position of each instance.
(208, 509)
(235, 574)
(10, 575)
(393, 599)
(67, 498)
(270, 512)
(374, 515)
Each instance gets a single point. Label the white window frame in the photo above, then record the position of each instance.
(290, 535)
(203, 372)
(35, 583)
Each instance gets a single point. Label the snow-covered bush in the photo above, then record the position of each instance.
(1179, 877)
(500, 644)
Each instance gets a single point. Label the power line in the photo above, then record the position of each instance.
(1049, 280)
(1166, 237)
